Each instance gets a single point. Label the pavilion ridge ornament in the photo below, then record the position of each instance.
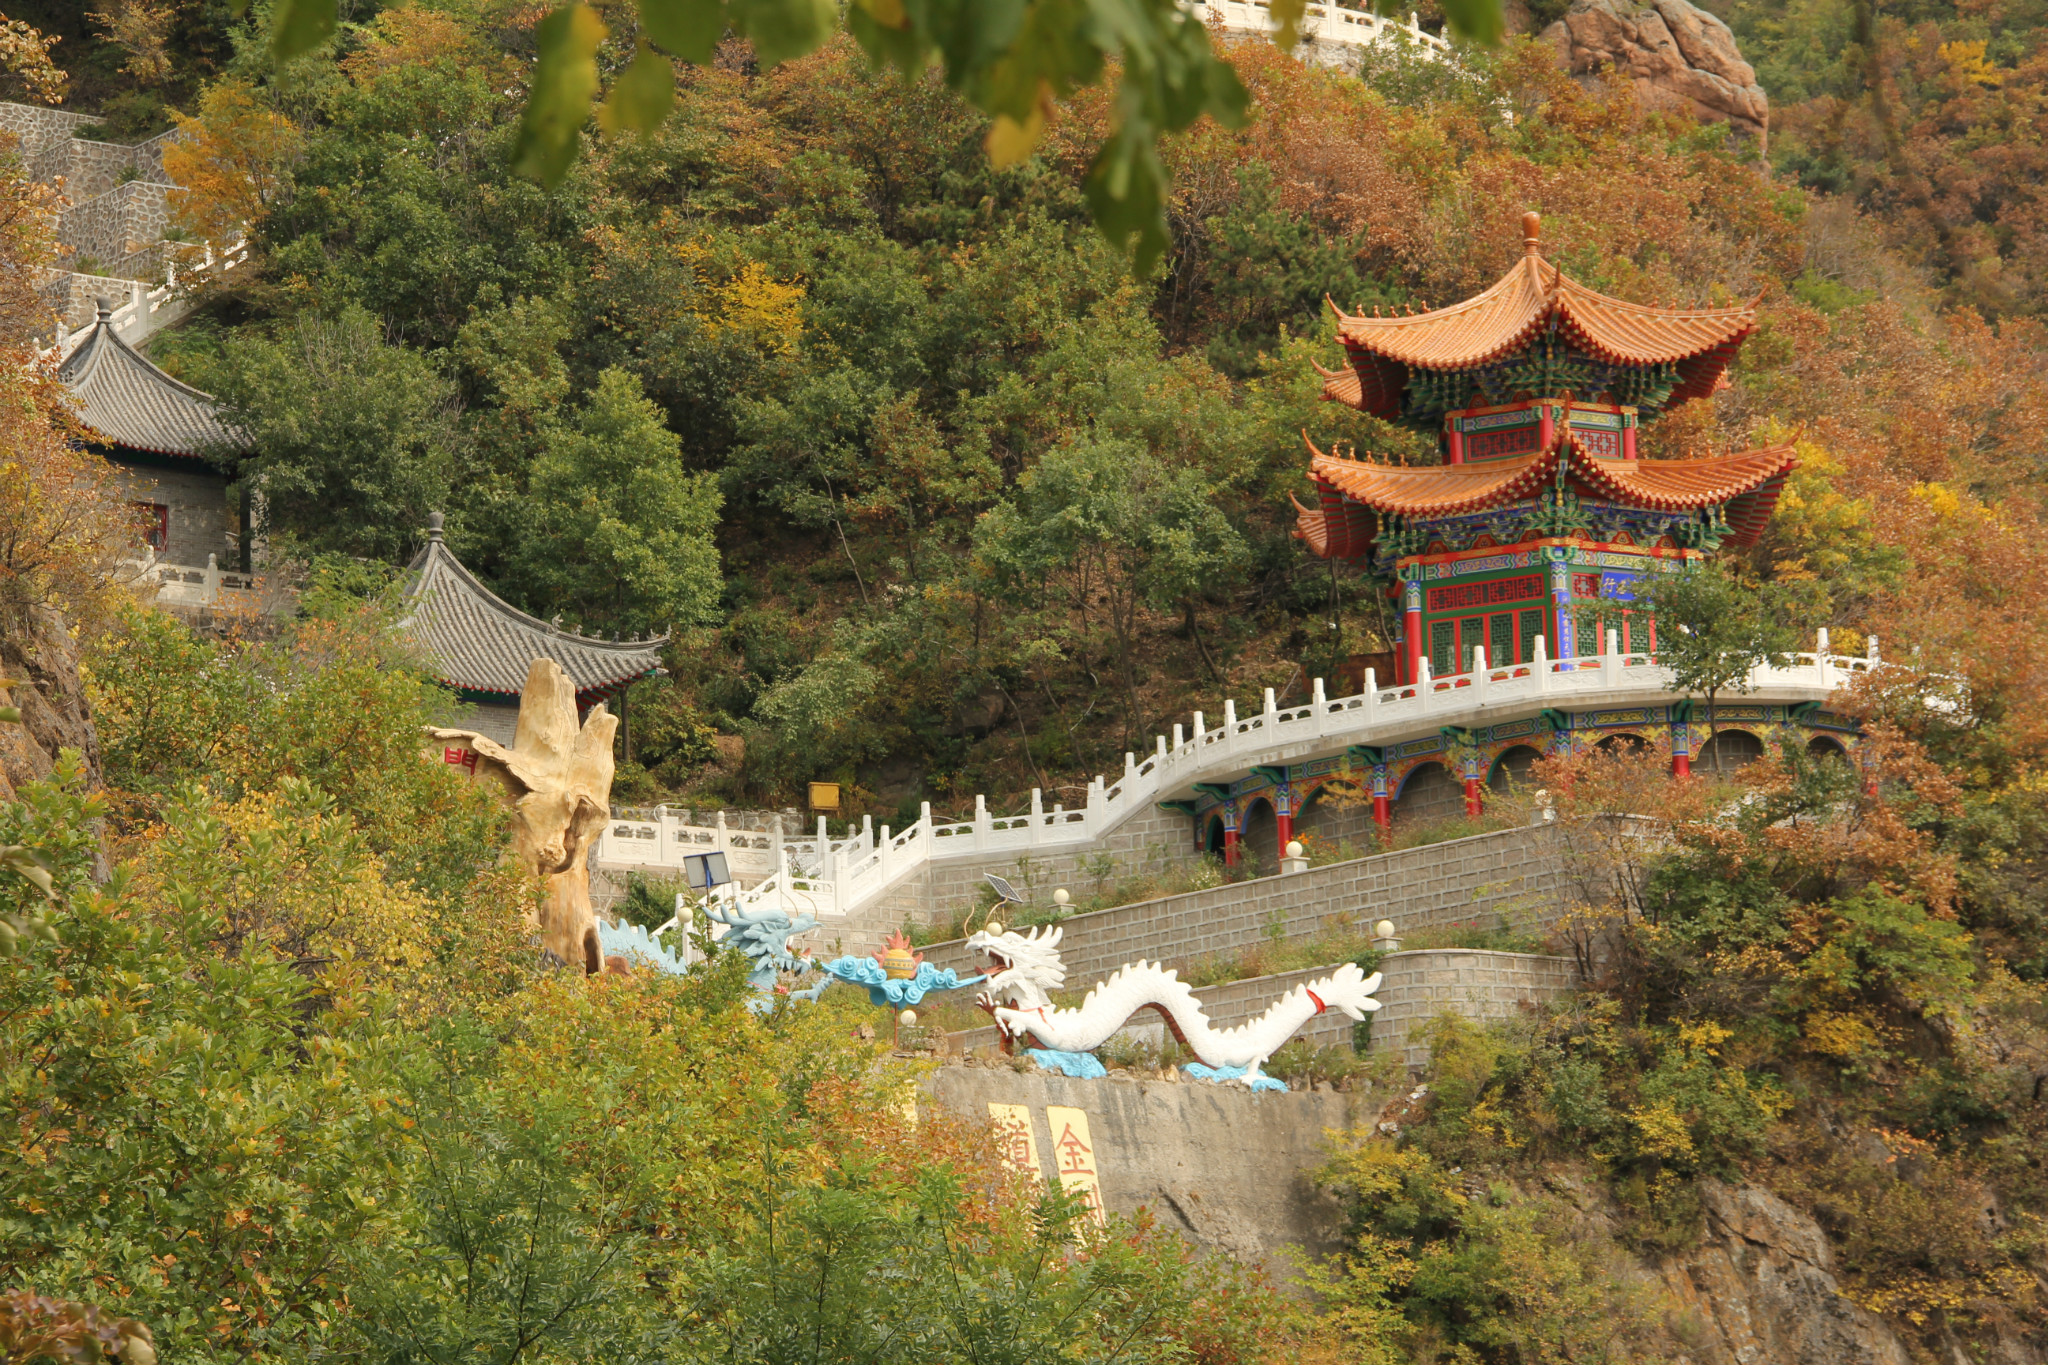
(1026, 968)
(557, 778)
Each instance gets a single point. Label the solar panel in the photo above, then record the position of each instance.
(1004, 891)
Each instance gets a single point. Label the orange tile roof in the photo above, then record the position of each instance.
(1746, 483)
(1504, 318)
(1681, 485)
(1434, 490)
(1336, 529)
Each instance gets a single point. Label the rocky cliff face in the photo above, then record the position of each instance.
(40, 658)
(1680, 57)
(1761, 1287)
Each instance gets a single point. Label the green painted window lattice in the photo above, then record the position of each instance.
(1532, 626)
(1443, 637)
(1500, 638)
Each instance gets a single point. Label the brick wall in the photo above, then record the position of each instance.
(1478, 984)
(1516, 872)
(197, 496)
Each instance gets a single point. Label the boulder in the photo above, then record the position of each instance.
(1680, 57)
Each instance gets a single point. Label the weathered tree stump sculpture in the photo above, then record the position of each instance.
(557, 778)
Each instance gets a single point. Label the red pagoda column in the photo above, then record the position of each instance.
(1681, 765)
(1383, 817)
(1230, 848)
(1411, 607)
(1284, 826)
(1475, 803)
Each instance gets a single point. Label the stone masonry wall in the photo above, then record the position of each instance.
(38, 127)
(201, 524)
(75, 298)
(1142, 845)
(1229, 1170)
(1478, 984)
(1516, 872)
(117, 223)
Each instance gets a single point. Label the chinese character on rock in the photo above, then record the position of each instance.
(461, 758)
(1015, 1139)
(1074, 1157)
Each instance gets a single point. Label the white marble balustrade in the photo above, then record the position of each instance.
(833, 878)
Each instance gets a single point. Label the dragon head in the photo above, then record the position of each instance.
(763, 936)
(1023, 969)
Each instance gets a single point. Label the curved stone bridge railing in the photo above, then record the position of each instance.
(833, 878)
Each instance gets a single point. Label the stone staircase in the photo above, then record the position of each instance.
(111, 232)
(876, 879)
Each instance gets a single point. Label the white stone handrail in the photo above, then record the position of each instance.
(138, 314)
(1325, 23)
(836, 877)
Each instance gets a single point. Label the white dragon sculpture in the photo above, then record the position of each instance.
(1024, 969)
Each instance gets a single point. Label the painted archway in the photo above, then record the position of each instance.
(1514, 768)
(1336, 813)
(1429, 794)
(1727, 752)
(1259, 834)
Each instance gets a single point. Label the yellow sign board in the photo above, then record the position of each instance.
(1017, 1138)
(1073, 1156)
(824, 796)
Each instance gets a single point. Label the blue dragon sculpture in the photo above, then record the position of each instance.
(763, 937)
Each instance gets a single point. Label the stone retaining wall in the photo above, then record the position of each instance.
(1144, 845)
(1476, 983)
(1229, 1170)
(1514, 873)
(115, 225)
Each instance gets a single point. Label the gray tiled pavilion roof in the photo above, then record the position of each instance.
(123, 400)
(481, 643)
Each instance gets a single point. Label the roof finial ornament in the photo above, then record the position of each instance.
(105, 308)
(434, 523)
(1532, 233)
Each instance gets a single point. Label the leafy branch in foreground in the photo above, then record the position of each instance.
(1014, 60)
(35, 1328)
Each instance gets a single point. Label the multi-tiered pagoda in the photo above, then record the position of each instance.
(1523, 547)
(1540, 517)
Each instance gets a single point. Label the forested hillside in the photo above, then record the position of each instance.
(937, 497)
(899, 449)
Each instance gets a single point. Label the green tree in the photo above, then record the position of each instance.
(1714, 631)
(354, 439)
(1104, 519)
(617, 534)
